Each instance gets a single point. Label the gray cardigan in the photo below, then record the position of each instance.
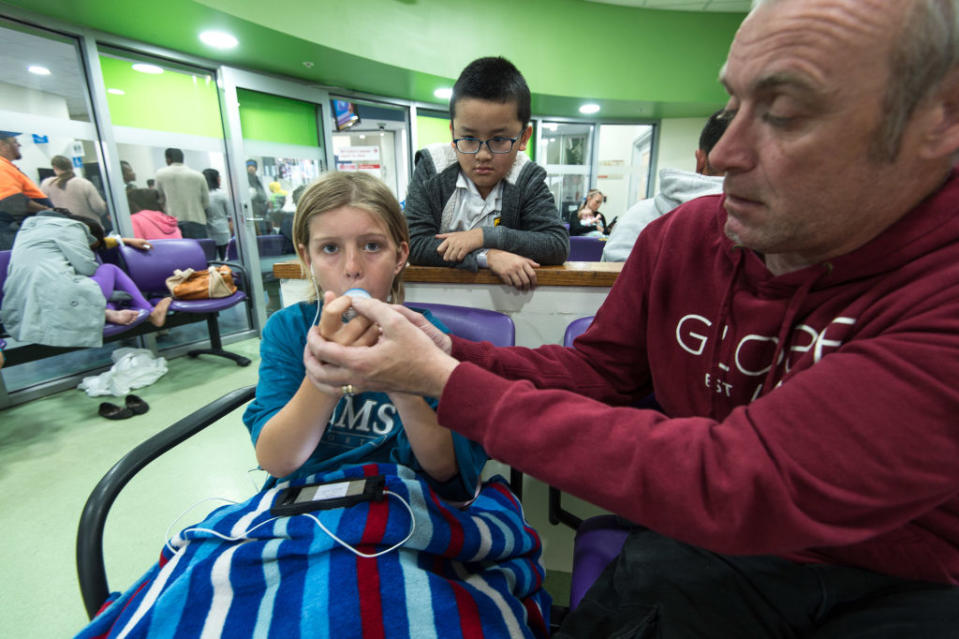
(529, 222)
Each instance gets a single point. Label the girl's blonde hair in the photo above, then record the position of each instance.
(360, 190)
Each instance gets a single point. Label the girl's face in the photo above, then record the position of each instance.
(352, 248)
(595, 200)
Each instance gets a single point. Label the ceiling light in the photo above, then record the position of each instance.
(218, 39)
(38, 70)
(444, 93)
(142, 67)
(589, 109)
(117, 91)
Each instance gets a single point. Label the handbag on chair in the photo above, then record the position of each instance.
(188, 284)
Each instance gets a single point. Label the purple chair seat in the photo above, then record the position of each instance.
(583, 248)
(149, 270)
(476, 324)
(598, 541)
(110, 329)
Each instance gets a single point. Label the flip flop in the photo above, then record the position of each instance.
(112, 411)
(136, 405)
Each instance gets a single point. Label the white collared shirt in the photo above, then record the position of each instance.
(467, 209)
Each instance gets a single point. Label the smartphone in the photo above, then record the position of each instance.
(332, 494)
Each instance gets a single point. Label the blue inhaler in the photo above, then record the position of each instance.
(355, 293)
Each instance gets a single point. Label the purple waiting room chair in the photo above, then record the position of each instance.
(149, 270)
(598, 539)
(32, 352)
(585, 248)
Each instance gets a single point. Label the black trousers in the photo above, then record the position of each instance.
(661, 588)
(193, 230)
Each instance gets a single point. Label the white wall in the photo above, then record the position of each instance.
(678, 141)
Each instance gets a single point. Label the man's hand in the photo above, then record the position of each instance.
(455, 246)
(404, 359)
(359, 331)
(441, 339)
(515, 270)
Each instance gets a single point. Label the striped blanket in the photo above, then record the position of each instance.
(470, 573)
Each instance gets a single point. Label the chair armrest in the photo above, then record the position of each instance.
(236, 267)
(90, 565)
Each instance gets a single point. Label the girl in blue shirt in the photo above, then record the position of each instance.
(349, 233)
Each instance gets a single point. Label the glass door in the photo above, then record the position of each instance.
(156, 105)
(372, 137)
(276, 130)
(564, 150)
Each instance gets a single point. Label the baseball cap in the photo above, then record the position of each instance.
(9, 134)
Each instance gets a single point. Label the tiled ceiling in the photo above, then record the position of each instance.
(732, 6)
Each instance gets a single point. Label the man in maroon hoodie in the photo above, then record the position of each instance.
(801, 333)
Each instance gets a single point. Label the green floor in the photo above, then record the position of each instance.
(54, 450)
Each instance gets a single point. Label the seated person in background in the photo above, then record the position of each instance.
(149, 222)
(71, 192)
(478, 202)
(675, 188)
(801, 334)
(218, 213)
(56, 293)
(588, 220)
(288, 574)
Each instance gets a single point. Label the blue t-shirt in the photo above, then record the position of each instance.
(363, 428)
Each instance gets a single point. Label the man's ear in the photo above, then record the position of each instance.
(452, 144)
(939, 121)
(700, 161)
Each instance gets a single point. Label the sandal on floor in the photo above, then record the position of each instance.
(137, 405)
(112, 411)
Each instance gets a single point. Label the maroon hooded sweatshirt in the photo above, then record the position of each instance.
(813, 415)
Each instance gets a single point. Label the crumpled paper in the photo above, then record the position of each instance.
(132, 368)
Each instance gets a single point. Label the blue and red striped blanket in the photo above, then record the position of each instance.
(473, 572)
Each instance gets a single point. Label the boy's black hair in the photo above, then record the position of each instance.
(212, 178)
(714, 129)
(495, 80)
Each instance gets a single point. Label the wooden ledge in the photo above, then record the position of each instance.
(600, 274)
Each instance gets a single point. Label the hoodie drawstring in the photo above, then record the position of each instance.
(720, 323)
(796, 303)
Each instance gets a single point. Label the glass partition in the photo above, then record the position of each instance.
(565, 154)
(45, 96)
(374, 139)
(155, 105)
(622, 171)
(283, 153)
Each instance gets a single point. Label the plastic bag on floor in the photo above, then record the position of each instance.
(132, 368)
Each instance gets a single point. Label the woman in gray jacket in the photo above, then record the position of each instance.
(56, 292)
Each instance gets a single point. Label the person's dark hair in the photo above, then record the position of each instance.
(714, 129)
(64, 164)
(95, 229)
(212, 178)
(173, 155)
(297, 193)
(495, 80)
(143, 199)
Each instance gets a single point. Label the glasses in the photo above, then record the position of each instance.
(498, 144)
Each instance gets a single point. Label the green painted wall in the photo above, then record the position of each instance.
(171, 101)
(430, 130)
(638, 63)
(274, 119)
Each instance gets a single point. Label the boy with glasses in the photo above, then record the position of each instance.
(478, 202)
